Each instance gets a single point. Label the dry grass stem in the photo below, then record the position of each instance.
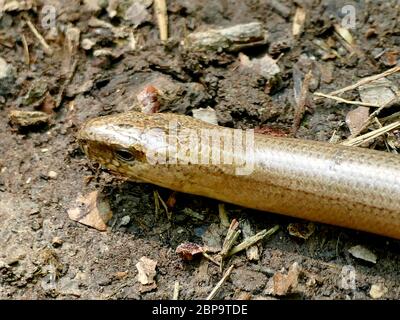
(371, 135)
(46, 48)
(365, 81)
(359, 103)
(220, 283)
(160, 8)
(252, 240)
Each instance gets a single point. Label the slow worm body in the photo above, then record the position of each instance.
(344, 186)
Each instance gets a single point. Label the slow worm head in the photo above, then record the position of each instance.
(345, 186)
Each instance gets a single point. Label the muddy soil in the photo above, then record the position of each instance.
(46, 255)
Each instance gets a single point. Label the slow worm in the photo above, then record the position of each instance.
(338, 185)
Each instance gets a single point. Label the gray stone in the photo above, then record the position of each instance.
(7, 77)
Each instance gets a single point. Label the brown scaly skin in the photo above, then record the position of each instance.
(344, 186)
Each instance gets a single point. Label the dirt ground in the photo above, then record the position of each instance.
(46, 255)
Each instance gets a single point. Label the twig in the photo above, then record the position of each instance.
(252, 240)
(207, 256)
(365, 81)
(334, 138)
(337, 245)
(26, 49)
(175, 296)
(301, 106)
(164, 205)
(214, 292)
(390, 118)
(46, 48)
(116, 291)
(160, 7)
(132, 42)
(252, 251)
(388, 147)
(359, 103)
(156, 203)
(348, 46)
(230, 239)
(72, 37)
(371, 135)
(67, 81)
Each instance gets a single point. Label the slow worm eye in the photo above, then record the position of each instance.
(124, 155)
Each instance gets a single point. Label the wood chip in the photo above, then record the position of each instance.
(298, 21)
(302, 104)
(23, 118)
(160, 8)
(233, 38)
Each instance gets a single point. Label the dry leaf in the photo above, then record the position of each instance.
(301, 230)
(363, 253)
(92, 210)
(146, 270)
(188, 250)
(356, 118)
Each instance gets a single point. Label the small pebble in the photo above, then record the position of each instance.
(377, 291)
(36, 225)
(7, 77)
(57, 242)
(121, 275)
(87, 44)
(52, 174)
(125, 220)
(331, 117)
